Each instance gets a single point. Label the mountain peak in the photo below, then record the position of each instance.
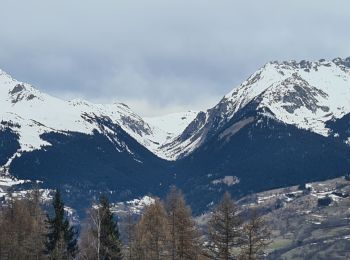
(6, 80)
(305, 94)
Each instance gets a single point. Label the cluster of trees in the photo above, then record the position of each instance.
(230, 238)
(100, 237)
(27, 232)
(166, 230)
(22, 225)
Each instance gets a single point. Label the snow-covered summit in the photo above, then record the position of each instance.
(305, 94)
(32, 113)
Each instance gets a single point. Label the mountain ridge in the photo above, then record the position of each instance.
(299, 94)
(287, 124)
(38, 113)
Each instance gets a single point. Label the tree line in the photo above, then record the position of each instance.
(165, 230)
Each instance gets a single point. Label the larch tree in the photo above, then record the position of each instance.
(184, 234)
(22, 225)
(224, 230)
(152, 234)
(256, 237)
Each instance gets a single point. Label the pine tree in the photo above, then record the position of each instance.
(111, 247)
(184, 235)
(256, 237)
(224, 230)
(61, 239)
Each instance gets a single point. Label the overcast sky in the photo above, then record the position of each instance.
(162, 56)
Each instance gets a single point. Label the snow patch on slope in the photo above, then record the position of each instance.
(167, 128)
(172, 124)
(135, 206)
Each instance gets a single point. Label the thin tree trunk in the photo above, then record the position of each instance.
(173, 234)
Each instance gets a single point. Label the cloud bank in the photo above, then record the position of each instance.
(162, 56)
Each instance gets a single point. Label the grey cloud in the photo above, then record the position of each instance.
(161, 56)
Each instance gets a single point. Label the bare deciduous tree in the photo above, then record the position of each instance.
(100, 234)
(152, 236)
(22, 225)
(224, 230)
(90, 240)
(184, 234)
(256, 237)
(130, 235)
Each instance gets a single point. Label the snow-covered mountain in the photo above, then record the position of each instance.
(77, 144)
(304, 94)
(287, 124)
(30, 113)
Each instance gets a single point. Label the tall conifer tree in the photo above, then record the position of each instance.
(61, 239)
(111, 246)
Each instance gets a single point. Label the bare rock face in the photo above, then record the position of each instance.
(137, 126)
(19, 93)
(17, 88)
(296, 92)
